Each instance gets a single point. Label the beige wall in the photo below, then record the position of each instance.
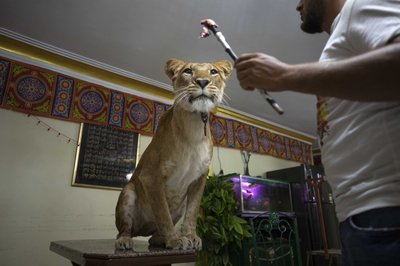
(38, 203)
(231, 162)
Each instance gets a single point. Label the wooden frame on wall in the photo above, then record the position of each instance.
(105, 157)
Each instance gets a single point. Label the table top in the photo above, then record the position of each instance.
(83, 251)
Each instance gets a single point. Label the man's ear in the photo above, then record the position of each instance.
(172, 67)
(225, 66)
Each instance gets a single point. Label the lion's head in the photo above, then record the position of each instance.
(198, 86)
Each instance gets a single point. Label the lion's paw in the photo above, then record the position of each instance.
(195, 242)
(124, 242)
(178, 243)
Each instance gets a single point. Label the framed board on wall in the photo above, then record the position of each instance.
(105, 157)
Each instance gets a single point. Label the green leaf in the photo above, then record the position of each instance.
(238, 228)
(221, 230)
(226, 259)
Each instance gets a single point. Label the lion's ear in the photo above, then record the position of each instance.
(225, 66)
(172, 66)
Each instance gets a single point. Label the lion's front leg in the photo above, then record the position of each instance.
(124, 217)
(166, 232)
(194, 194)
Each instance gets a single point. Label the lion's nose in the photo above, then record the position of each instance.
(202, 82)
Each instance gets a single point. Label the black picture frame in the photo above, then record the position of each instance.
(105, 158)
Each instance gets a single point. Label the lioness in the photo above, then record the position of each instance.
(170, 176)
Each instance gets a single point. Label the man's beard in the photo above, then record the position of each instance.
(313, 18)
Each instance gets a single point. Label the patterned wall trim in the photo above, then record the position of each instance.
(42, 92)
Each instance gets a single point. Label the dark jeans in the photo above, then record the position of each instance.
(371, 238)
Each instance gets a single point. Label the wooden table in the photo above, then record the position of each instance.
(102, 252)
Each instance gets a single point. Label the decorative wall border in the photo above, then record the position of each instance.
(35, 90)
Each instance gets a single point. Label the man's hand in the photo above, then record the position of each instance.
(258, 70)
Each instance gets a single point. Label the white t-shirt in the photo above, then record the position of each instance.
(360, 141)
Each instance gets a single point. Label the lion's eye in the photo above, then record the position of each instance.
(213, 71)
(188, 71)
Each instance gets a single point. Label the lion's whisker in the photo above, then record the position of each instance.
(227, 96)
(180, 97)
(224, 102)
(180, 90)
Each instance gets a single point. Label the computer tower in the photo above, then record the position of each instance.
(304, 202)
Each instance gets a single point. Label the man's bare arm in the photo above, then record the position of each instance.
(373, 76)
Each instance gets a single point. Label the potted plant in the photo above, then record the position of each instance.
(221, 230)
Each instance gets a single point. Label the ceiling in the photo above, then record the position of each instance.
(137, 37)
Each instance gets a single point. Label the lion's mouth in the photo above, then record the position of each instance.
(199, 97)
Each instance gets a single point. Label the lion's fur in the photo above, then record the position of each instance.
(169, 179)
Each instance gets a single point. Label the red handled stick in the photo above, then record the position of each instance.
(209, 24)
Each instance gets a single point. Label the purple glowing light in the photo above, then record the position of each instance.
(249, 190)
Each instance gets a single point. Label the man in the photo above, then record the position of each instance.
(358, 87)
